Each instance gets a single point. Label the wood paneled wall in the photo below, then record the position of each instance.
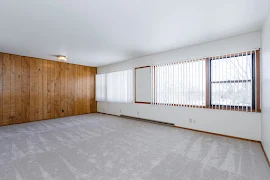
(34, 89)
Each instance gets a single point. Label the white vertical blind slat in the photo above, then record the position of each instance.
(250, 93)
(226, 71)
(219, 76)
(242, 62)
(173, 84)
(234, 94)
(161, 93)
(246, 69)
(193, 74)
(191, 82)
(151, 83)
(201, 84)
(255, 68)
(215, 104)
(230, 77)
(186, 97)
(178, 85)
(182, 84)
(239, 84)
(168, 84)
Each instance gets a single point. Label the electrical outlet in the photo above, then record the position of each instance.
(120, 110)
(190, 120)
(138, 113)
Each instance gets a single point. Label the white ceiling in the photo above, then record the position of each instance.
(100, 32)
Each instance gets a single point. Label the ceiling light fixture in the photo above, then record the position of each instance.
(62, 58)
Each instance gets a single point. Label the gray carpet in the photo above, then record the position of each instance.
(102, 147)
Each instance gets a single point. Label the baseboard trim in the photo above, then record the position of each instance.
(108, 114)
(44, 119)
(267, 159)
(148, 120)
(234, 137)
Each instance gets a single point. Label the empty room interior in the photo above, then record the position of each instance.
(135, 90)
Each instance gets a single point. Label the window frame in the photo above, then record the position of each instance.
(234, 81)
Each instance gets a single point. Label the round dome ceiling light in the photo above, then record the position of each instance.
(62, 58)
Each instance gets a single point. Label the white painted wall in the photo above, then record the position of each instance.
(238, 124)
(224, 46)
(265, 62)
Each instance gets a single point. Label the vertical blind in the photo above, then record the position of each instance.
(116, 86)
(179, 84)
(229, 82)
(101, 94)
(233, 81)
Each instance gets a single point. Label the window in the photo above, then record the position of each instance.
(115, 86)
(101, 94)
(229, 82)
(180, 83)
(232, 80)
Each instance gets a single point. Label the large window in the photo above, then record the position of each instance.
(180, 83)
(229, 82)
(115, 86)
(232, 80)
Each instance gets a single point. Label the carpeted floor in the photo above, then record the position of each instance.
(103, 147)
